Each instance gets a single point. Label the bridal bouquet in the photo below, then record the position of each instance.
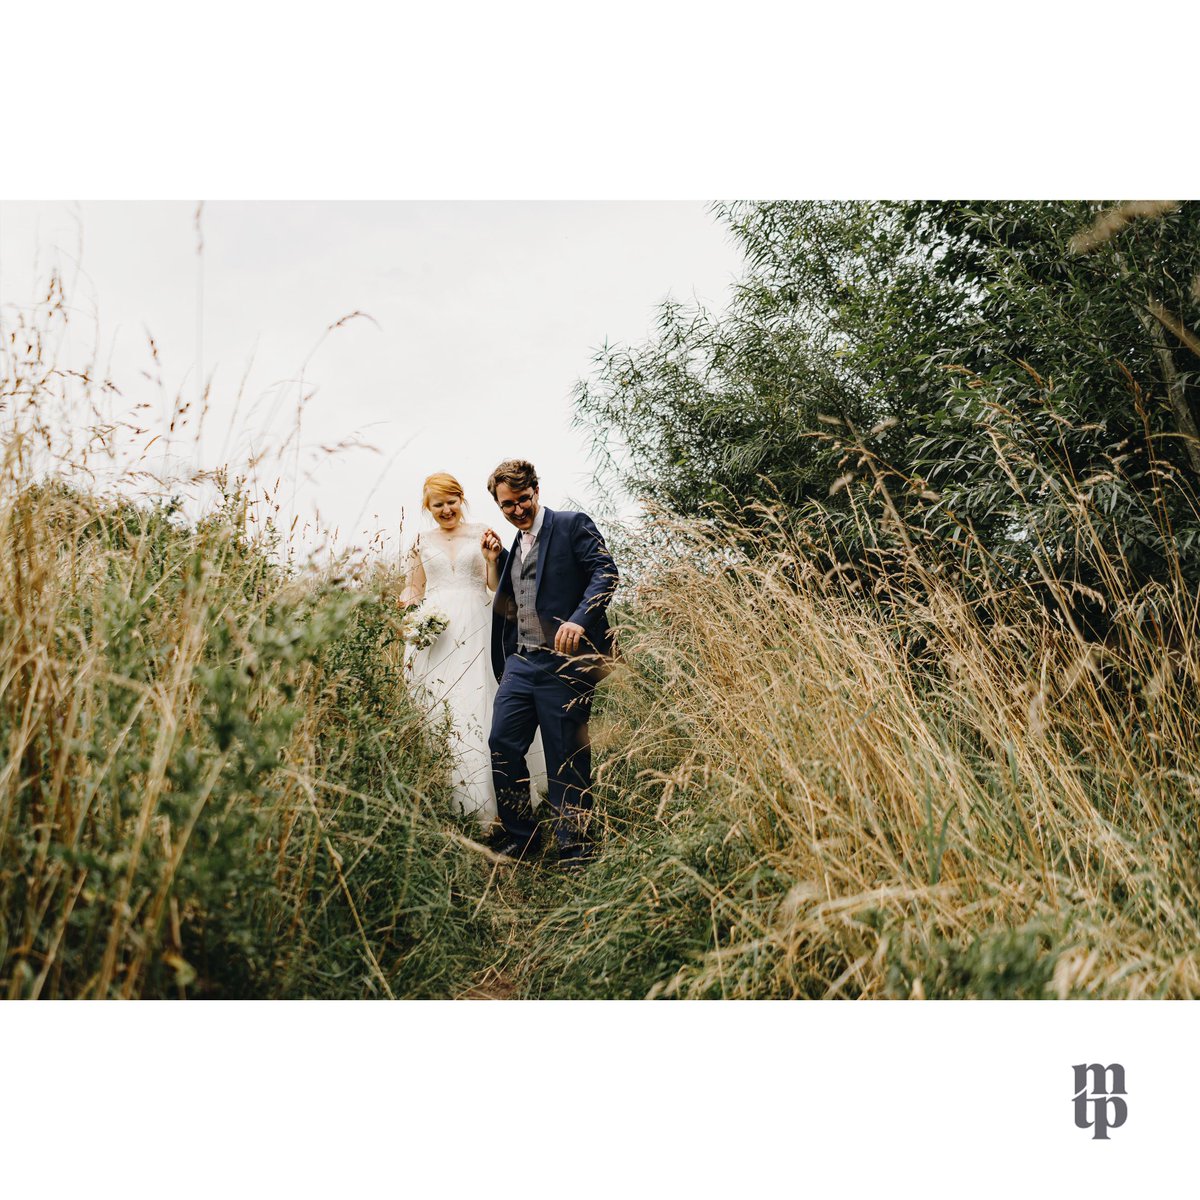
(423, 626)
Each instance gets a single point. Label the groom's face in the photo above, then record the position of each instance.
(520, 508)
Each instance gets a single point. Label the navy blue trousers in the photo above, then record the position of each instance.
(536, 693)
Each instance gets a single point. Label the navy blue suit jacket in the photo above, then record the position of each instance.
(576, 577)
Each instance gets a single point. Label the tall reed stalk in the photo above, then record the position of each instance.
(879, 784)
(213, 780)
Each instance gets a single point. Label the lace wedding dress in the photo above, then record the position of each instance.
(454, 675)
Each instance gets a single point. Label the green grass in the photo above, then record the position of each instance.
(214, 781)
(215, 784)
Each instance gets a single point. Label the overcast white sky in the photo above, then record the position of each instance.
(484, 316)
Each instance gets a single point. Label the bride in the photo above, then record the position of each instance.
(448, 572)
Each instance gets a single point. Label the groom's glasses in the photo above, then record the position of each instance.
(521, 502)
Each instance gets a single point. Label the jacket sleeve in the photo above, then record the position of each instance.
(592, 554)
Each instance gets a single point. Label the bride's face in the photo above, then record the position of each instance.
(446, 511)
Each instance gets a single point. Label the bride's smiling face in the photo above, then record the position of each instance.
(446, 510)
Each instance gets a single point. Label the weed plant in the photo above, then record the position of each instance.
(213, 779)
(821, 789)
(931, 772)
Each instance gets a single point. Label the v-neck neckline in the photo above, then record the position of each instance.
(450, 554)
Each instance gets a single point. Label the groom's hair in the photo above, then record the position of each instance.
(516, 472)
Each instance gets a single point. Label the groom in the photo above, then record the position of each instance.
(551, 644)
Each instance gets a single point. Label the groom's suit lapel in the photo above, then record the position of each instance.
(544, 539)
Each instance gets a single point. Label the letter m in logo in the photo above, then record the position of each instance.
(1102, 1108)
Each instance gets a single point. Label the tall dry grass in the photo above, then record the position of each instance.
(213, 781)
(862, 783)
(816, 791)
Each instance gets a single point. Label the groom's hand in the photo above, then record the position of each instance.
(568, 637)
(490, 545)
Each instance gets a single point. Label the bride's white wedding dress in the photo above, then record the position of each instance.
(454, 674)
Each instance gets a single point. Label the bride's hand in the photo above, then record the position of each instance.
(490, 545)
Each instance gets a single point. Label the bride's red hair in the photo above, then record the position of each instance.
(441, 483)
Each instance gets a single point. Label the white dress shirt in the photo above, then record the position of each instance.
(532, 532)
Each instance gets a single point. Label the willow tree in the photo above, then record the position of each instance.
(978, 369)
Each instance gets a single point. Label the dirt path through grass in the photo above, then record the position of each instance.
(516, 900)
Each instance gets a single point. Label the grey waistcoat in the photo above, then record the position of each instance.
(524, 581)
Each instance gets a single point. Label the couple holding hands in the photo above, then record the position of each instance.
(523, 663)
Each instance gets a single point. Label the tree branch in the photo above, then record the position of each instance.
(1184, 419)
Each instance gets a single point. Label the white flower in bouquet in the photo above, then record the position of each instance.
(423, 626)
